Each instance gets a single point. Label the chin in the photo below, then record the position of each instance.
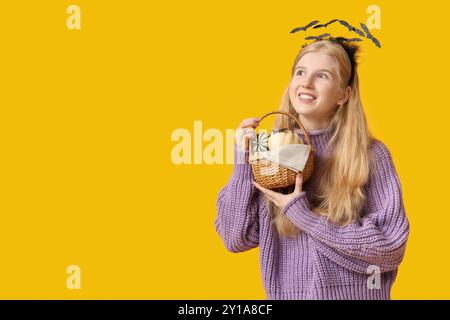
(304, 109)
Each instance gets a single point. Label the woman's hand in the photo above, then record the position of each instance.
(279, 199)
(246, 131)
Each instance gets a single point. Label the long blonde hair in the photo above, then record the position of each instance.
(340, 193)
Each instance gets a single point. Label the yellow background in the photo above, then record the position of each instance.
(86, 120)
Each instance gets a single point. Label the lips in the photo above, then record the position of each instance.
(306, 96)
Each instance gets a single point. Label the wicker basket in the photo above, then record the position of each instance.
(271, 175)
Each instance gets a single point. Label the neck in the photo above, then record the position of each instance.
(319, 138)
(313, 124)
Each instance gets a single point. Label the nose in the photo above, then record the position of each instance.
(306, 82)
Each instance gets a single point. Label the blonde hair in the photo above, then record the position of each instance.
(340, 194)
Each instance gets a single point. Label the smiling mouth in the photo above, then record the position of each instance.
(306, 98)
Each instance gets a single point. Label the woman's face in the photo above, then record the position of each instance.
(314, 90)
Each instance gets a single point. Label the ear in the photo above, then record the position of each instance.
(345, 96)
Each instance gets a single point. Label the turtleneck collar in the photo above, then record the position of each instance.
(318, 137)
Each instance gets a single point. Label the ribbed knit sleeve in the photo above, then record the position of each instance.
(378, 238)
(237, 220)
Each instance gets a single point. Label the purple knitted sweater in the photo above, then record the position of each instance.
(325, 261)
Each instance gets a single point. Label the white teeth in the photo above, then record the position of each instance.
(305, 96)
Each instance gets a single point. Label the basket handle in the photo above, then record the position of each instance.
(293, 118)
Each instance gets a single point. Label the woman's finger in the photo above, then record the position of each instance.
(248, 121)
(251, 122)
(298, 182)
(239, 137)
(271, 194)
(268, 196)
(249, 131)
(248, 135)
(243, 135)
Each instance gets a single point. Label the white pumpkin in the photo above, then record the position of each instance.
(280, 138)
(260, 143)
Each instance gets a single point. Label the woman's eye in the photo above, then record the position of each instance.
(323, 76)
(300, 72)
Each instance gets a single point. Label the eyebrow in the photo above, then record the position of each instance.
(302, 67)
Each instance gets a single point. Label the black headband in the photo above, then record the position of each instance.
(352, 51)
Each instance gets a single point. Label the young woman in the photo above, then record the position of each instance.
(342, 234)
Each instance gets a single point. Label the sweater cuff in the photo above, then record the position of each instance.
(299, 212)
(242, 169)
